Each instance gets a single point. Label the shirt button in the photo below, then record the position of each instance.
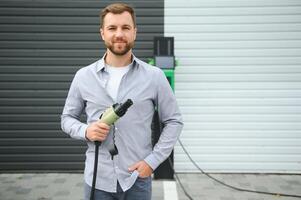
(116, 128)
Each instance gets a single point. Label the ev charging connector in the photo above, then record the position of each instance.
(109, 117)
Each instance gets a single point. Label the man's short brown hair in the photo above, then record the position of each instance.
(117, 8)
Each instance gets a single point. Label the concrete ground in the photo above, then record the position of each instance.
(65, 186)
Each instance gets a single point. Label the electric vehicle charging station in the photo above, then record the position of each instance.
(163, 58)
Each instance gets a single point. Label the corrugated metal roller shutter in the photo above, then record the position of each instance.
(42, 44)
(238, 83)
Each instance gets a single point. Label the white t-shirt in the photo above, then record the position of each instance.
(116, 74)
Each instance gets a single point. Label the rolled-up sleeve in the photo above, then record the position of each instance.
(171, 118)
(70, 118)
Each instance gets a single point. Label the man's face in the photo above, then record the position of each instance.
(118, 33)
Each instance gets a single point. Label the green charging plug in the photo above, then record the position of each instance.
(112, 114)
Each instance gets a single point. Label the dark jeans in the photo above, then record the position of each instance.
(141, 190)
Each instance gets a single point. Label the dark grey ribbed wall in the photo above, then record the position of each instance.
(42, 45)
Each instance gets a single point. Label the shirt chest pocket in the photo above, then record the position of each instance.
(96, 102)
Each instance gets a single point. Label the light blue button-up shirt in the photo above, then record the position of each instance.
(148, 88)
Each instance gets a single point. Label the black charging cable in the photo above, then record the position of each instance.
(221, 182)
(113, 152)
(178, 180)
(97, 144)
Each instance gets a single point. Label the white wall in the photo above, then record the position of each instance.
(238, 83)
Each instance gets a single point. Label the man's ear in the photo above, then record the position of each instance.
(101, 33)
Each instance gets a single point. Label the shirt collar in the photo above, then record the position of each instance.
(101, 63)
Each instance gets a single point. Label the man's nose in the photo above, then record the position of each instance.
(119, 33)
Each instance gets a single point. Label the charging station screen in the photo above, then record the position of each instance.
(165, 62)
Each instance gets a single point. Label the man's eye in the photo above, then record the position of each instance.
(111, 28)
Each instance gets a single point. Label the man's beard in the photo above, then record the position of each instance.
(116, 51)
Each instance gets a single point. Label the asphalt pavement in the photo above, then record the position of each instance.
(69, 186)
